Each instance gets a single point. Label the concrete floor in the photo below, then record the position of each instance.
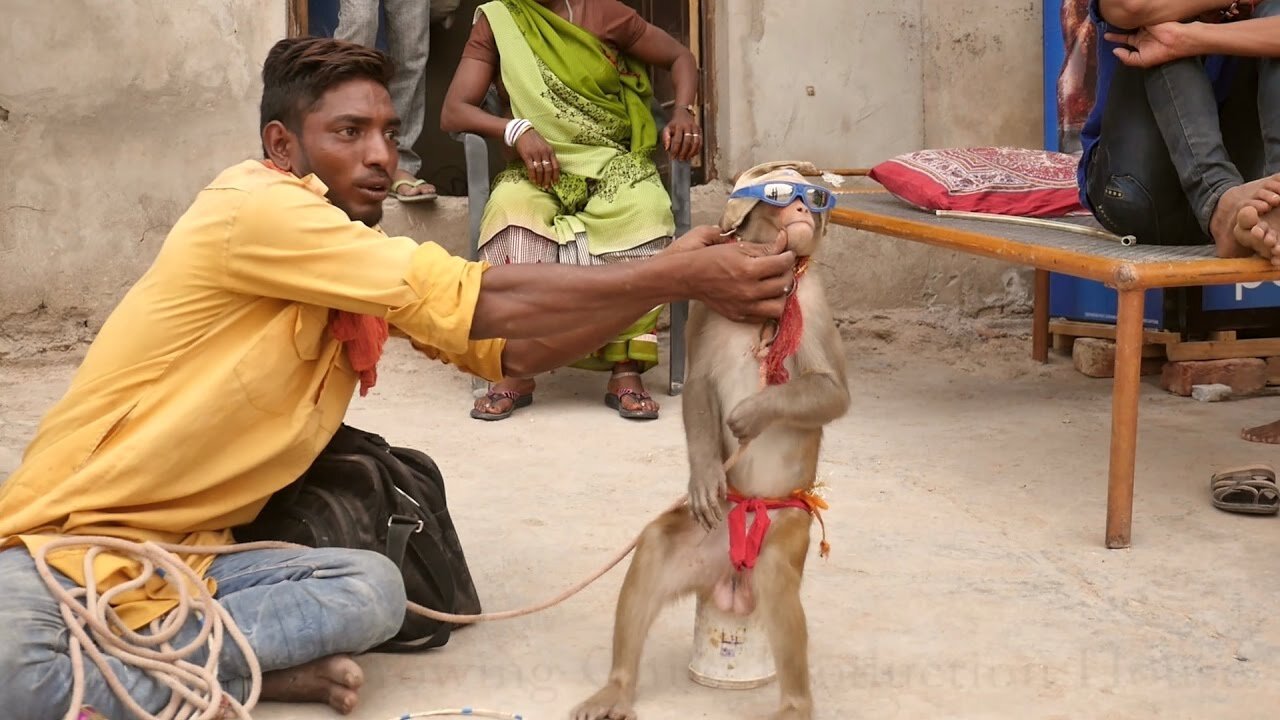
(967, 577)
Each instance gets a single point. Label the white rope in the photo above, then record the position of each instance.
(97, 630)
(460, 712)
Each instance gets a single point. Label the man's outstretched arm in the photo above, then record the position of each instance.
(552, 315)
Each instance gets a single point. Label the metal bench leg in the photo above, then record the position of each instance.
(681, 179)
(1124, 418)
(679, 314)
(477, 154)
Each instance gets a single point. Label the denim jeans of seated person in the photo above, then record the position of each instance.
(1167, 150)
(293, 606)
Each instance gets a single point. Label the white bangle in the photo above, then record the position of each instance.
(515, 128)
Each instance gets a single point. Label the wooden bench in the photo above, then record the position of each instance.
(1130, 270)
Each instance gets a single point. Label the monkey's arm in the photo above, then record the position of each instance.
(818, 391)
(702, 423)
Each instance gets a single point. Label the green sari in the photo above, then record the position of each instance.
(591, 105)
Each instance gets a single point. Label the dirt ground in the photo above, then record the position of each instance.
(967, 579)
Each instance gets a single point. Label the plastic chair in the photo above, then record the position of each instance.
(476, 149)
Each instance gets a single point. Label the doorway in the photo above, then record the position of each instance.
(443, 162)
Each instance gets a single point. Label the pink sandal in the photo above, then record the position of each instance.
(518, 401)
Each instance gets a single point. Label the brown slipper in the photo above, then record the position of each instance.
(1250, 490)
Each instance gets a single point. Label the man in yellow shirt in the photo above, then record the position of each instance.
(229, 365)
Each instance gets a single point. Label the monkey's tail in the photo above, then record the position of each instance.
(575, 589)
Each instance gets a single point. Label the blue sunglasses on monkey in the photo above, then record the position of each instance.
(782, 194)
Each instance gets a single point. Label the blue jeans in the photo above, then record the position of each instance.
(294, 606)
(1167, 151)
(408, 44)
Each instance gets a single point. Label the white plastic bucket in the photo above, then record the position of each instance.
(729, 651)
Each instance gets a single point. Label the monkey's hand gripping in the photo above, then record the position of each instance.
(708, 486)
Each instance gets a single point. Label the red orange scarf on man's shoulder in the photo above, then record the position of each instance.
(362, 336)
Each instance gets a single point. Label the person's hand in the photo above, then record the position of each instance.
(682, 138)
(745, 282)
(539, 159)
(1152, 46)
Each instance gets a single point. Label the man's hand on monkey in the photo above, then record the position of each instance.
(759, 275)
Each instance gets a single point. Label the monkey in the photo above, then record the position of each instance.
(769, 437)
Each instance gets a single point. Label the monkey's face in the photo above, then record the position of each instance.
(764, 221)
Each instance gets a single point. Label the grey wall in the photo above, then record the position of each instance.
(886, 78)
(117, 113)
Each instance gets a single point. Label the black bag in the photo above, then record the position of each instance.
(362, 493)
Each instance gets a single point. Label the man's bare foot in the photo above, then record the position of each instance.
(626, 376)
(334, 680)
(1269, 433)
(503, 398)
(1239, 211)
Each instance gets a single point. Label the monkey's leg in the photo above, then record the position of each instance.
(671, 560)
(777, 576)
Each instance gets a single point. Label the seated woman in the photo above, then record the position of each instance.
(584, 188)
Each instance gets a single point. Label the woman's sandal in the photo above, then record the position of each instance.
(517, 401)
(1250, 489)
(614, 400)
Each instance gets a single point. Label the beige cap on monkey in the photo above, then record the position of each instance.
(737, 208)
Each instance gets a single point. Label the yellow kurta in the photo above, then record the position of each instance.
(215, 381)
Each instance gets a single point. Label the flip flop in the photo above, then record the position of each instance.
(1250, 489)
(614, 401)
(518, 401)
(411, 198)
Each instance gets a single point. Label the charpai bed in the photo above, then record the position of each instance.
(1131, 270)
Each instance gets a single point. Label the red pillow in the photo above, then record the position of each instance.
(1000, 180)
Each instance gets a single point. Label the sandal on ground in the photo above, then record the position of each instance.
(1250, 489)
(517, 401)
(411, 198)
(614, 400)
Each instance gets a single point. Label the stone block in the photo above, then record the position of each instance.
(1244, 376)
(1211, 393)
(1273, 370)
(1094, 357)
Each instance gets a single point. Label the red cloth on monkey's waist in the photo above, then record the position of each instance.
(744, 545)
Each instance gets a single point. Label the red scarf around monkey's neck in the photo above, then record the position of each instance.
(786, 341)
(362, 336)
